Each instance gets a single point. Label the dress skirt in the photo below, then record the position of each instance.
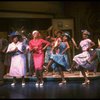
(38, 59)
(18, 65)
(81, 60)
(58, 59)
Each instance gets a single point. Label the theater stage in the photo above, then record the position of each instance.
(50, 76)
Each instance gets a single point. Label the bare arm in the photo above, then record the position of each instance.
(66, 48)
(92, 45)
(74, 43)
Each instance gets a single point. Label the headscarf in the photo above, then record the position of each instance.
(35, 31)
(85, 32)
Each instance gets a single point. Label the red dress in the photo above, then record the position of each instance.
(38, 53)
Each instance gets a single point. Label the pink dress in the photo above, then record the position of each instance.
(81, 59)
(38, 54)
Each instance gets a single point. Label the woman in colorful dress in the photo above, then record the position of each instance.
(18, 59)
(64, 49)
(37, 47)
(80, 60)
(57, 59)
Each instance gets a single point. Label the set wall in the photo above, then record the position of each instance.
(30, 8)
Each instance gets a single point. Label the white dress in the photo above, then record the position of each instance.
(18, 60)
(81, 59)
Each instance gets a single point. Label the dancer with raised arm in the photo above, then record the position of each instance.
(80, 60)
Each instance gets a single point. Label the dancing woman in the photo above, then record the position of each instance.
(37, 47)
(80, 60)
(57, 58)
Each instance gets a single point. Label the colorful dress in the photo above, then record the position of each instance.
(81, 59)
(18, 60)
(59, 58)
(38, 54)
(62, 47)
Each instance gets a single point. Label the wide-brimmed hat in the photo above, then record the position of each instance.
(15, 34)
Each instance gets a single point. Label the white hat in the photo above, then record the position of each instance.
(35, 32)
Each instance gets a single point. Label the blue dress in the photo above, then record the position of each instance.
(59, 58)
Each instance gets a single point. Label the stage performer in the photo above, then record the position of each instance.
(80, 61)
(18, 59)
(37, 47)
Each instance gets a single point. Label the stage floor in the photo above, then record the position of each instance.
(72, 89)
(54, 76)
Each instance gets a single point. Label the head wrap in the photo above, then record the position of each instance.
(35, 31)
(85, 32)
(67, 34)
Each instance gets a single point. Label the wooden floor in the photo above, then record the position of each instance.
(52, 76)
